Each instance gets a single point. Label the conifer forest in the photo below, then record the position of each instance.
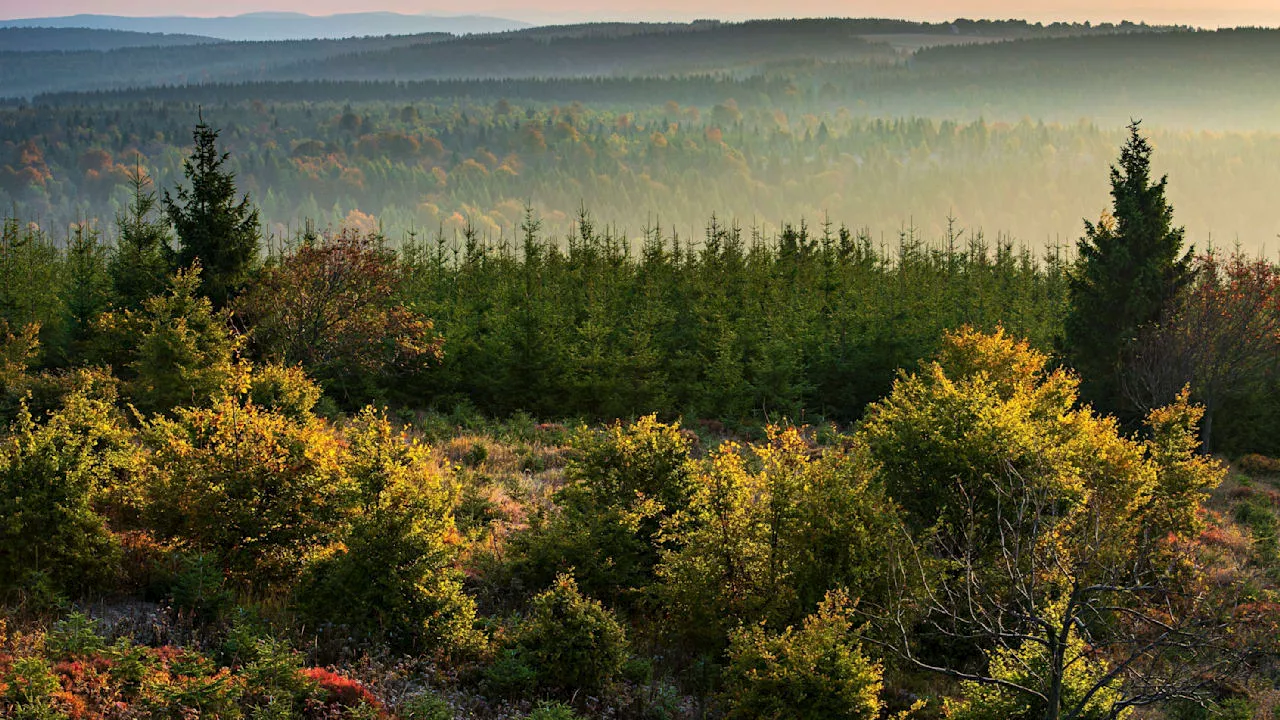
(746, 370)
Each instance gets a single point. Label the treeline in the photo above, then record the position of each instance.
(725, 47)
(734, 326)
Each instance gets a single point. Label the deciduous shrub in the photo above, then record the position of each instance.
(1255, 464)
(815, 673)
(332, 306)
(1028, 666)
(260, 490)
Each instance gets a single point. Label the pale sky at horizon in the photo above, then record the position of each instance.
(1208, 13)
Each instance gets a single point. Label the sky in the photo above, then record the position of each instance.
(1206, 13)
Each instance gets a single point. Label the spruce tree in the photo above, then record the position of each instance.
(1131, 266)
(214, 229)
(143, 259)
(87, 289)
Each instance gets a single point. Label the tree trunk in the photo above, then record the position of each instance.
(1053, 698)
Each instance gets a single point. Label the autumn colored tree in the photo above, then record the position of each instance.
(333, 306)
(1220, 336)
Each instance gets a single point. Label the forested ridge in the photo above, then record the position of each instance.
(708, 394)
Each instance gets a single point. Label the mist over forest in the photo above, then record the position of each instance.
(883, 125)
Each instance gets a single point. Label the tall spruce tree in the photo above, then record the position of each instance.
(222, 234)
(1131, 266)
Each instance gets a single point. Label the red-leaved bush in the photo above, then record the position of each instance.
(342, 691)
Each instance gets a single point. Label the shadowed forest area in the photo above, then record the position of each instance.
(837, 369)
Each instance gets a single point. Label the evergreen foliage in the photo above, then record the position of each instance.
(769, 530)
(571, 641)
(816, 671)
(393, 578)
(260, 491)
(626, 482)
(176, 350)
(144, 258)
(1131, 266)
(56, 474)
(88, 291)
(214, 230)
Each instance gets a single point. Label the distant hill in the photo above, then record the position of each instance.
(595, 50)
(24, 74)
(282, 26)
(606, 50)
(37, 39)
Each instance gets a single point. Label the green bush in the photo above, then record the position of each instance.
(572, 642)
(1258, 514)
(192, 685)
(769, 531)
(175, 351)
(29, 682)
(393, 578)
(1028, 666)
(816, 673)
(199, 585)
(273, 677)
(76, 634)
(1226, 709)
(510, 676)
(286, 390)
(53, 478)
(624, 482)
